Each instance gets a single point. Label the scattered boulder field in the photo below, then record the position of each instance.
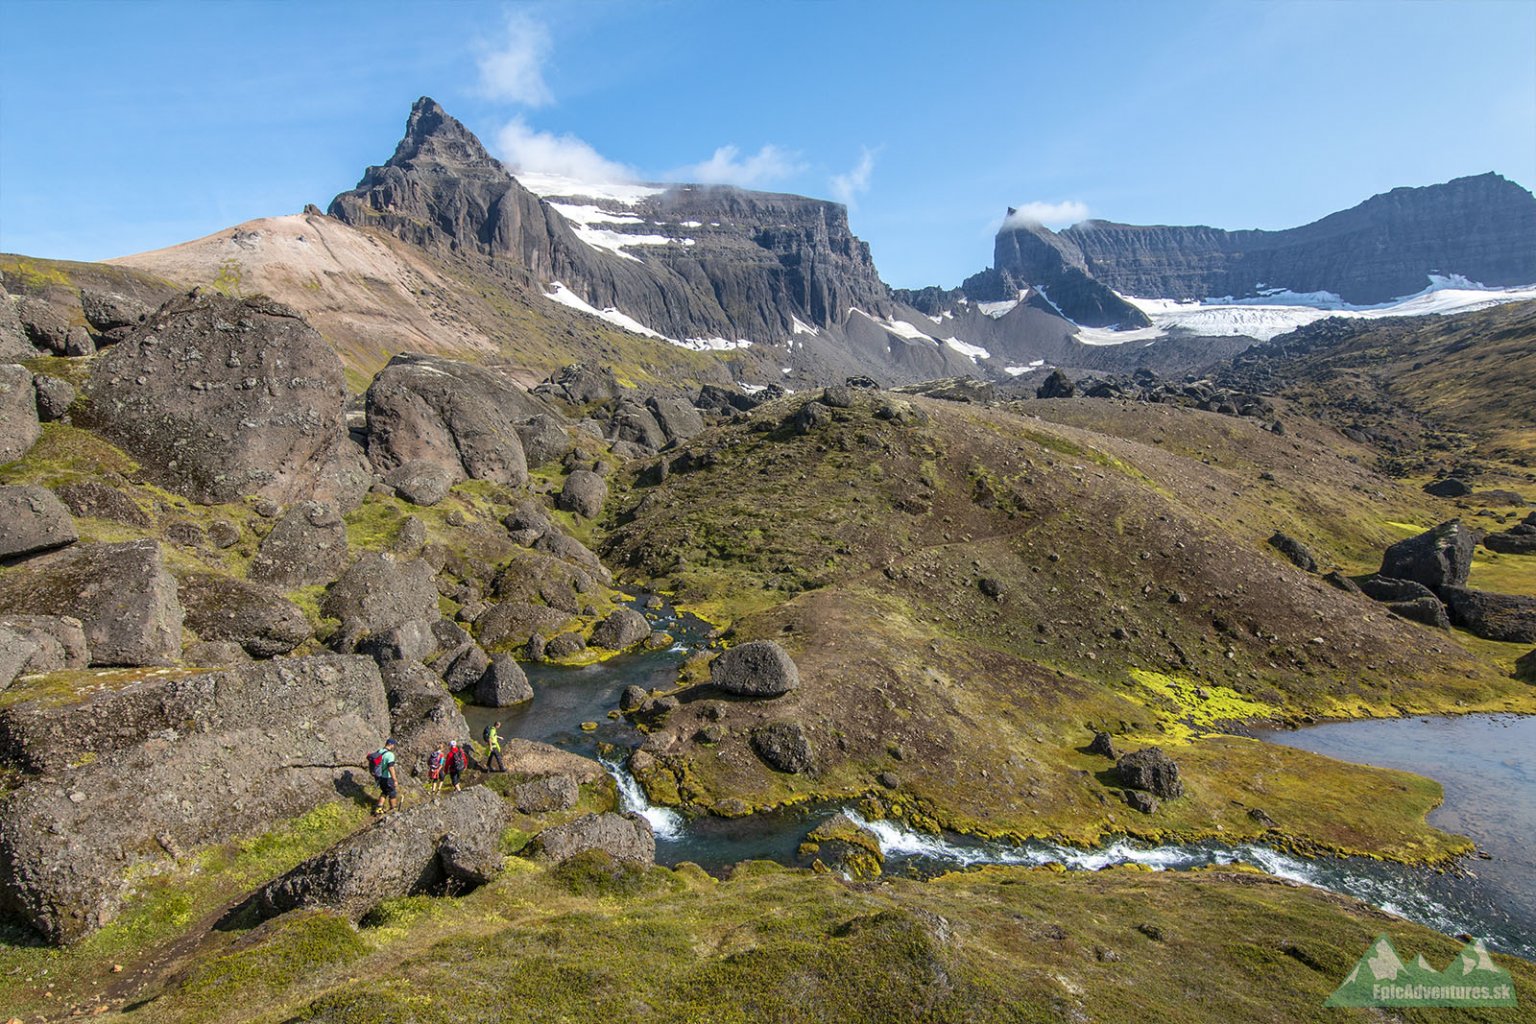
(229, 569)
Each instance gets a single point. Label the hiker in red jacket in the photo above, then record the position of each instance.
(458, 761)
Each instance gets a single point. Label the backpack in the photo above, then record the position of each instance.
(460, 759)
(376, 763)
(435, 764)
(485, 735)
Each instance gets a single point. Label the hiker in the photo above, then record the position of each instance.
(493, 748)
(437, 767)
(382, 763)
(458, 760)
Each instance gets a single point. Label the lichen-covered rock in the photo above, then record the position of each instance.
(623, 837)
(460, 417)
(545, 439)
(422, 483)
(678, 419)
(57, 642)
(760, 668)
(43, 324)
(112, 316)
(32, 519)
(271, 740)
(444, 846)
(19, 428)
(584, 493)
(307, 546)
(379, 592)
(1151, 770)
(221, 398)
(503, 684)
(122, 594)
(784, 747)
(95, 500)
(422, 713)
(532, 758)
(621, 630)
(258, 618)
(843, 845)
(1439, 557)
(54, 397)
(550, 793)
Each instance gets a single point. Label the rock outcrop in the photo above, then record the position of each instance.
(784, 747)
(258, 618)
(444, 846)
(220, 398)
(1507, 617)
(121, 593)
(621, 630)
(1151, 770)
(1028, 255)
(174, 761)
(503, 684)
(307, 546)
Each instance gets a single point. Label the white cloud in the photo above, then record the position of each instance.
(729, 167)
(524, 149)
(855, 182)
(516, 71)
(1061, 214)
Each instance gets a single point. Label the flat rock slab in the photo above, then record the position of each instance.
(448, 844)
(532, 758)
(174, 761)
(122, 594)
(33, 520)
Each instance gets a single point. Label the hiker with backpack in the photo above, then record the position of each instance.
(382, 764)
(458, 761)
(437, 767)
(493, 748)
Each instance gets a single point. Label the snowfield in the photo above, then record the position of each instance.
(1276, 312)
(563, 295)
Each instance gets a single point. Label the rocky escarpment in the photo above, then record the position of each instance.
(1482, 228)
(743, 264)
(1028, 255)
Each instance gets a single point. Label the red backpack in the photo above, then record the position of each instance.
(460, 759)
(376, 762)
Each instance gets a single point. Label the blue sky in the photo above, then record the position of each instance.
(130, 126)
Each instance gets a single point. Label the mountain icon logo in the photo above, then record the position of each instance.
(1381, 978)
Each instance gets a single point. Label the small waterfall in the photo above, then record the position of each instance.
(665, 822)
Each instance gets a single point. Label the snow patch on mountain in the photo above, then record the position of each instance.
(622, 193)
(563, 295)
(975, 352)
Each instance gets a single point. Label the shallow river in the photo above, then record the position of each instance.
(1487, 764)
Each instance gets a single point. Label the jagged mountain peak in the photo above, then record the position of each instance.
(432, 135)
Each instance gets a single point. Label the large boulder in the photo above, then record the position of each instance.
(32, 520)
(584, 493)
(678, 419)
(174, 761)
(1440, 557)
(43, 324)
(1385, 588)
(1507, 617)
(122, 594)
(530, 758)
(621, 630)
(422, 483)
(1525, 666)
(1057, 385)
(54, 397)
(462, 418)
(444, 846)
(503, 684)
(307, 546)
(19, 428)
(545, 439)
(379, 592)
(1151, 770)
(634, 423)
(1449, 487)
(760, 668)
(784, 747)
(625, 837)
(112, 316)
(93, 499)
(1427, 610)
(258, 618)
(14, 343)
(222, 398)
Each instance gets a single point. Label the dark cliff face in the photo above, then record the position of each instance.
(1029, 254)
(1482, 228)
(751, 263)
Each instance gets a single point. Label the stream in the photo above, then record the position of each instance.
(1487, 764)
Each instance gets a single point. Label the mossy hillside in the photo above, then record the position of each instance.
(1098, 577)
(162, 910)
(60, 281)
(591, 942)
